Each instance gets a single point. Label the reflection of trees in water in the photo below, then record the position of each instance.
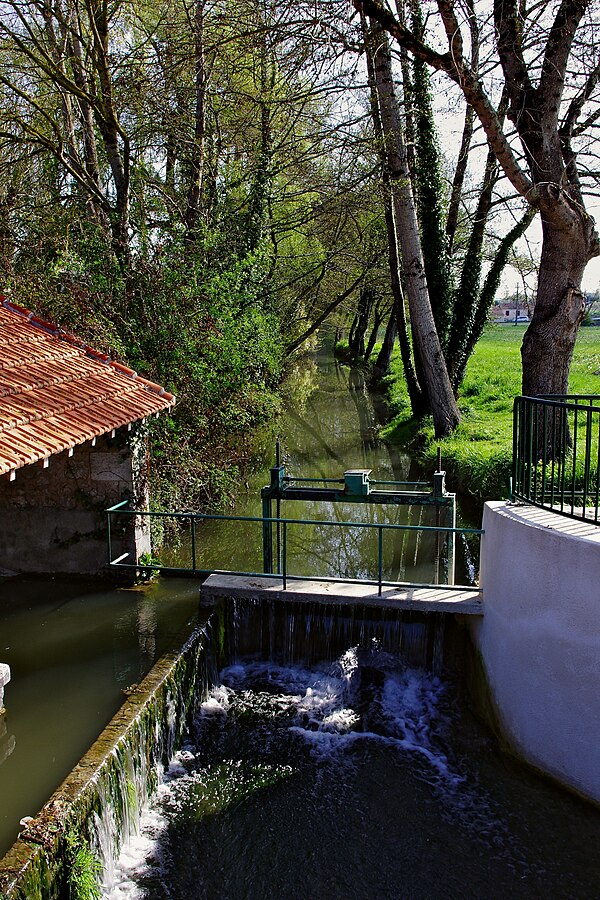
(300, 383)
(329, 426)
(316, 432)
(323, 550)
(7, 741)
(367, 425)
(348, 552)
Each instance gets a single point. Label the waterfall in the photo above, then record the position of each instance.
(303, 633)
(103, 798)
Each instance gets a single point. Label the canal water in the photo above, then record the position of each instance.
(74, 648)
(361, 778)
(355, 771)
(330, 423)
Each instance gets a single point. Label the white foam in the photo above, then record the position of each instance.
(326, 716)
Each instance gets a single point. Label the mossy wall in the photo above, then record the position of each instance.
(100, 800)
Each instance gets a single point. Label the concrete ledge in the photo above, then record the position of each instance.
(463, 600)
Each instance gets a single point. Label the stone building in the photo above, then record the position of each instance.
(72, 443)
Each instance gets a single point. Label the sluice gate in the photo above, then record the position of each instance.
(359, 576)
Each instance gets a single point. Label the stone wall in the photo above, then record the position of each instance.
(540, 638)
(52, 519)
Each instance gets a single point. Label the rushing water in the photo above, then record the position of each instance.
(361, 778)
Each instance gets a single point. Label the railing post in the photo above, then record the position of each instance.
(267, 535)
(530, 456)
(597, 503)
(544, 452)
(553, 419)
(588, 454)
(193, 527)
(108, 538)
(564, 431)
(516, 442)
(574, 456)
(380, 559)
(451, 545)
(284, 548)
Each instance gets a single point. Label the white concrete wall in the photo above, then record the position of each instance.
(540, 638)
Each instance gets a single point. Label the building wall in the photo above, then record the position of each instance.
(53, 520)
(540, 638)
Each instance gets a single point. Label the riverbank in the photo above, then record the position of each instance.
(478, 455)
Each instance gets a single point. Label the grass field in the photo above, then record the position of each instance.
(478, 455)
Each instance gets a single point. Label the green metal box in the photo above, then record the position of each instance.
(357, 482)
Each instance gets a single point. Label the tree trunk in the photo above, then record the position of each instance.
(443, 403)
(417, 399)
(467, 293)
(112, 134)
(490, 288)
(377, 320)
(381, 366)
(559, 309)
(96, 203)
(7, 238)
(197, 160)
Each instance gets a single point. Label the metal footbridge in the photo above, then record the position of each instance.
(275, 580)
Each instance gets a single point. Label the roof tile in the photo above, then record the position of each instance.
(56, 392)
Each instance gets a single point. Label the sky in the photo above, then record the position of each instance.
(449, 121)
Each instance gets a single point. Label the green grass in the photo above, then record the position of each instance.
(478, 455)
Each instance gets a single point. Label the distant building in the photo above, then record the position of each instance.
(71, 444)
(510, 313)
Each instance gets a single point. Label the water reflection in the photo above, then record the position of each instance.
(7, 740)
(330, 424)
(73, 648)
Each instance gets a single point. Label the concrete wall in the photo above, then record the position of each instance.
(540, 638)
(52, 520)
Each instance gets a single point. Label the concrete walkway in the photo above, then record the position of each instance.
(447, 599)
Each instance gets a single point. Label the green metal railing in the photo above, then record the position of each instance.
(193, 518)
(556, 454)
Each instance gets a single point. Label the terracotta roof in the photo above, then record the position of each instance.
(56, 392)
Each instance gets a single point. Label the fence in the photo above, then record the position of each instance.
(281, 526)
(556, 454)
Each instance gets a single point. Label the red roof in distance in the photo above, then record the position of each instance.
(57, 392)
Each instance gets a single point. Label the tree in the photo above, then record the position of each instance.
(405, 228)
(552, 103)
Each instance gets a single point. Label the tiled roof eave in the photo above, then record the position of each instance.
(61, 393)
(19, 460)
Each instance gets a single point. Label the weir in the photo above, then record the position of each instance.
(356, 728)
(97, 808)
(425, 599)
(376, 703)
